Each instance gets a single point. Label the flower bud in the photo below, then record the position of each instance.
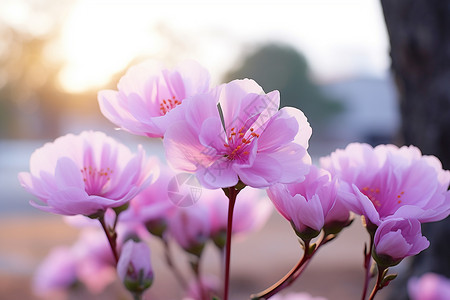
(311, 205)
(134, 268)
(190, 228)
(396, 239)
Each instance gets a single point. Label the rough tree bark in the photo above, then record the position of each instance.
(419, 33)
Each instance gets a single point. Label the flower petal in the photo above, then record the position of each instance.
(294, 162)
(264, 171)
(366, 207)
(281, 130)
(73, 201)
(197, 77)
(111, 107)
(278, 194)
(308, 212)
(243, 101)
(212, 134)
(184, 150)
(220, 174)
(67, 174)
(394, 245)
(304, 130)
(196, 116)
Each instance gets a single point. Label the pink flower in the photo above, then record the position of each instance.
(89, 261)
(256, 143)
(396, 239)
(152, 207)
(57, 273)
(429, 286)
(296, 296)
(310, 204)
(85, 174)
(389, 181)
(147, 96)
(134, 268)
(190, 227)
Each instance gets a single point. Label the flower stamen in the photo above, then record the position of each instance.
(95, 179)
(168, 104)
(238, 141)
(399, 196)
(372, 195)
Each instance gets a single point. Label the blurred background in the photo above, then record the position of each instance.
(328, 58)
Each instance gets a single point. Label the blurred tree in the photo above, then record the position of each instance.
(30, 97)
(419, 33)
(280, 67)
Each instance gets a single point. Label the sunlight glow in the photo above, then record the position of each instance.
(338, 37)
(100, 40)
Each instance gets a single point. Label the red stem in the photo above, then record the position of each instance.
(287, 279)
(295, 272)
(232, 193)
(111, 238)
(367, 267)
(377, 286)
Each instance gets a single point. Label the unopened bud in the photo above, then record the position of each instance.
(134, 268)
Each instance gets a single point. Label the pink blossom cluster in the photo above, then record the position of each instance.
(396, 190)
(229, 141)
(151, 213)
(89, 261)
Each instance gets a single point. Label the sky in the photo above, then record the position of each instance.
(338, 37)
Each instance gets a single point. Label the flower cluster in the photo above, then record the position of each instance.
(395, 189)
(227, 141)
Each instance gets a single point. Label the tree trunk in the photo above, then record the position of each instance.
(419, 33)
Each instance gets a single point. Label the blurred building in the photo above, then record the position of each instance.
(371, 111)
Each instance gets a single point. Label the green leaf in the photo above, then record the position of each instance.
(387, 279)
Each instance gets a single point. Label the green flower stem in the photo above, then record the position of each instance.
(111, 236)
(231, 193)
